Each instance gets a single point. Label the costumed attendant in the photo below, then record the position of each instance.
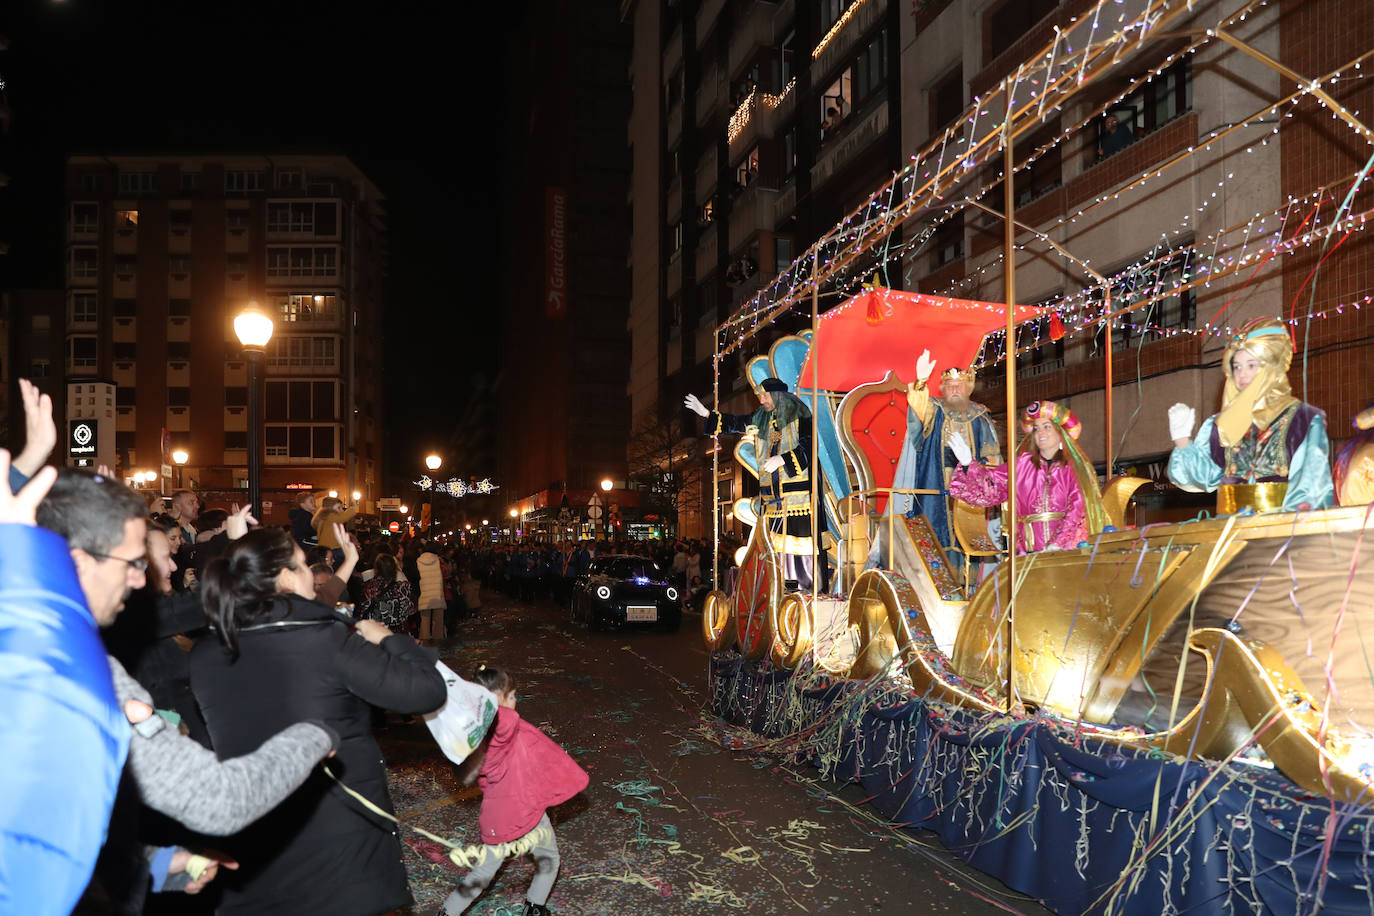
(1058, 504)
(1353, 474)
(927, 461)
(522, 773)
(782, 428)
(1263, 435)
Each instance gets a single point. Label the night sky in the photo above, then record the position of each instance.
(414, 92)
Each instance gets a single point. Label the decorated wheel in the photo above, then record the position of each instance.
(793, 627)
(717, 627)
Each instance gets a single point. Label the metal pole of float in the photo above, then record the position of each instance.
(1009, 275)
(715, 472)
(1107, 393)
(816, 555)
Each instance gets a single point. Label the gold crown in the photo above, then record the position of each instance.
(955, 372)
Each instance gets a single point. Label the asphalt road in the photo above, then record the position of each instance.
(672, 822)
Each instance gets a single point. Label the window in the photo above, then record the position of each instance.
(302, 262)
(677, 237)
(83, 308)
(136, 183)
(124, 396)
(125, 351)
(125, 308)
(317, 442)
(870, 68)
(1013, 19)
(235, 396)
(837, 102)
(178, 308)
(1042, 175)
(85, 263)
(1151, 280)
(126, 265)
(782, 253)
(179, 265)
(948, 243)
(831, 10)
(946, 100)
(1148, 108)
(236, 265)
(707, 214)
(673, 91)
(85, 218)
(178, 396)
(748, 170)
(298, 351)
(290, 179)
(784, 72)
(291, 217)
(789, 153)
(236, 221)
(126, 221)
(308, 307)
(190, 181)
(179, 221)
(241, 182)
(236, 440)
(92, 184)
(178, 349)
(81, 352)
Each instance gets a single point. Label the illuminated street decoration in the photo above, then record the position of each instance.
(456, 487)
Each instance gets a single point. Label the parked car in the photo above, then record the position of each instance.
(619, 591)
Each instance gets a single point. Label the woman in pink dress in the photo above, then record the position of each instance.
(1058, 504)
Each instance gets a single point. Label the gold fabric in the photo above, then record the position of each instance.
(1268, 394)
(1262, 497)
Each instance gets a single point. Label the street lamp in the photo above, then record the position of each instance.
(179, 458)
(433, 462)
(607, 485)
(254, 330)
(405, 510)
(357, 496)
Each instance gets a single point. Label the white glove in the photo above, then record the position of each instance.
(924, 366)
(959, 446)
(772, 463)
(1181, 420)
(693, 403)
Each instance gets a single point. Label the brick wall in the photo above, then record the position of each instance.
(1127, 165)
(1316, 37)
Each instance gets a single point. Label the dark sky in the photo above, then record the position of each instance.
(413, 91)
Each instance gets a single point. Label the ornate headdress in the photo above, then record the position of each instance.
(1058, 414)
(1268, 393)
(967, 375)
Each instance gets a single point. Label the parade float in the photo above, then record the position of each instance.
(1174, 716)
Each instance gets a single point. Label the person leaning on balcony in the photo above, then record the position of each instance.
(1115, 137)
(1263, 435)
(1058, 504)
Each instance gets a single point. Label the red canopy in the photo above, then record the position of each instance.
(882, 329)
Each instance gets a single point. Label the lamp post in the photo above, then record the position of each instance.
(254, 330)
(179, 458)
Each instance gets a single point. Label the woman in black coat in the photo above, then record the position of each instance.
(282, 657)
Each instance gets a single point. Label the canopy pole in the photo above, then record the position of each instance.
(1107, 394)
(817, 558)
(1009, 276)
(715, 474)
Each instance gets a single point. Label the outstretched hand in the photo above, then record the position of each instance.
(22, 507)
(238, 522)
(924, 366)
(40, 432)
(1181, 420)
(693, 403)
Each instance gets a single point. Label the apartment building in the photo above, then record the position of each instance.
(563, 415)
(756, 127)
(162, 251)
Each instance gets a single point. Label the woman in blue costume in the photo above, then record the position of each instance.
(1262, 435)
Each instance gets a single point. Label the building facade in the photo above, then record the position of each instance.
(756, 127)
(162, 251)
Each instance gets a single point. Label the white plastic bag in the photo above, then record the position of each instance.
(462, 722)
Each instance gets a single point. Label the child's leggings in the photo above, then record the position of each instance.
(545, 855)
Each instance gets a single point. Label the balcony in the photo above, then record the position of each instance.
(707, 15)
(839, 44)
(710, 95)
(707, 174)
(672, 51)
(787, 201)
(754, 211)
(674, 203)
(758, 117)
(674, 273)
(752, 31)
(674, 126)
(84, 231)
(707, 253)
(840, 150)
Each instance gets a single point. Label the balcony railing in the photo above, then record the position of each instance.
(837, 45)
(710, 94)
(840, 150)
(707, 15)
(706, 174)
(756, 117)
(707, 253)
(753, 30)
(754, 211)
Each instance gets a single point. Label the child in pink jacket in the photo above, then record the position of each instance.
(522, 773)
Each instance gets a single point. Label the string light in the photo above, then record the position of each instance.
(456, 487)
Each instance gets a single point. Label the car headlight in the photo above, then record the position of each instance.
(671, 593)
(603, 592)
